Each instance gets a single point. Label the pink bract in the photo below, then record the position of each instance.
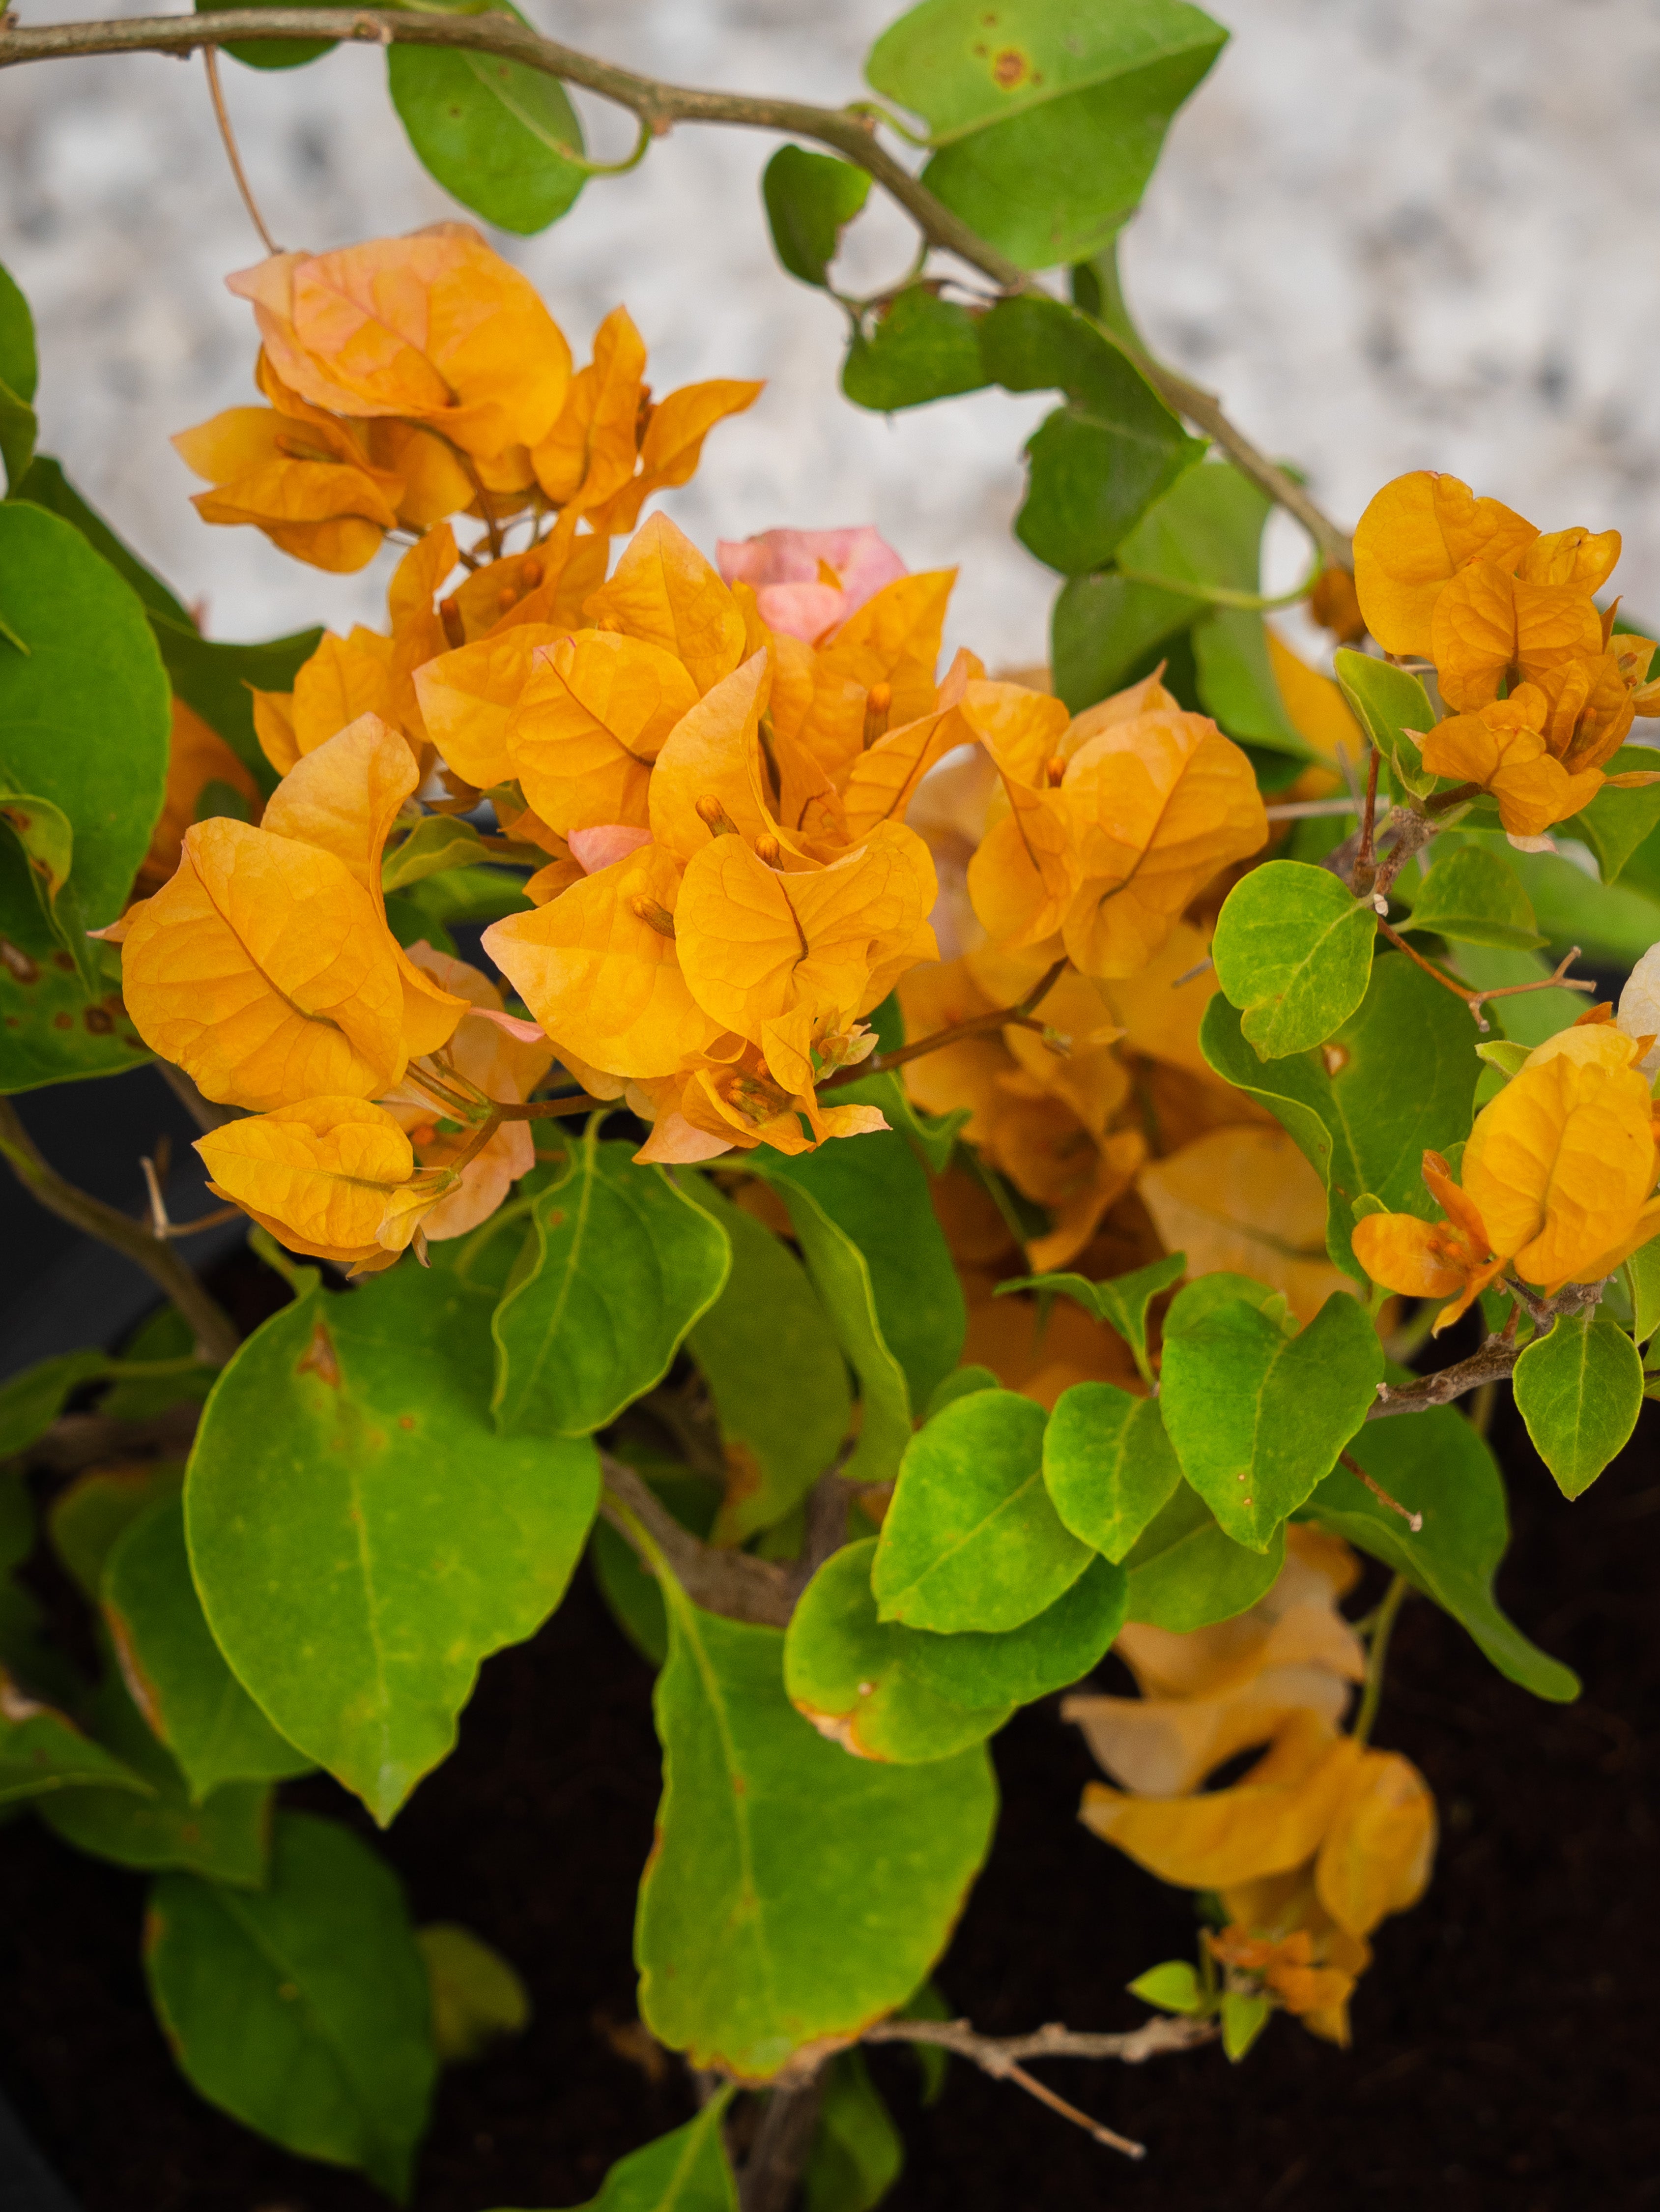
(786, 569)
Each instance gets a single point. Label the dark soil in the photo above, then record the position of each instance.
(1505, 2042)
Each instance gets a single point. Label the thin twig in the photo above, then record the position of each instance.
(658, 107)
(784, 2141)
(214, 1331)
(1476, 999)
(1001, 2056)
(161, 1222)
(1366, 870)
(1414, 1521)
(1306, 809)
(1020, 1017)
(1492, 1363)
(210, 60)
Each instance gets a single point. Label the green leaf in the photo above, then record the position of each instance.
(857, 2153)
(272, 53)
(877, 1191)
(19, 367)
(1579, 1389)
(1049, 118)
(1104, 629)
(1292, 949)
(1394, 710)
(1099, 463)
(42, 1751)
(1434, 1464)
(86, 1519)
(843, 1276)
(495, 134)
(855, 1676)
(1612, 922)
(1055, 1649)
(1617, 822)
(766, 1919)
(31, 1402)
(476, 1997)
(618, 1264)
(1475, 897)
(962, 1382)
(47, 486)
(684, 2171)
(1257, 1419)
(971, 1539)
(1643, 1270)
(810, 198)
(1237, 685)
(440, 842)
(226, 1837)
(1122, 1302)
(1244, 2018)
(19, 428)
(1361, 1128)
(774, 1370)
(1184, 1573)
(165, 1343)
(303, 2011)
(86, 731)
(1174, 1987)
(174, 1671)
(933, 1135)
(1108, 1465)
(361, 1537)
(919, 348)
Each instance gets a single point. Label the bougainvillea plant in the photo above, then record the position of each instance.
(926, 1177)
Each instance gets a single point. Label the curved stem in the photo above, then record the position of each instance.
(1018, 1016)
(222, 116)
(1383, 1625)
(214, 1331)
(849, 132)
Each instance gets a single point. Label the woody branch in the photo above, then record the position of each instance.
(658, 107)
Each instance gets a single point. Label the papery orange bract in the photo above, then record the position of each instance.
(1415, 536)
(1212, 1693)
(672, 444)
(307, 483)
(1376, 1856)
(1503, 749)
(331, 1176)
(712, 754)
(590, 718)
(590, 451)
(433, 328)
(739, 1104)
(880, 783)
(1561, 1164)
(756, 945)
(601, 977)
(493, 1061)
(1159, 804)
(665, 591)
(468, 697)
(1271, 1821)
(894, 639)
(1245, 1201)
(196, 757)
(1490, 627)
(263, 970)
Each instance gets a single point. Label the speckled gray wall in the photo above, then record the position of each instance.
(1392, 232)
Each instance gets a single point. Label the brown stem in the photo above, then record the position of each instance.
(214, 1331)
(1366, 871)
(1414, 1521)
(1495, 1360)
(1001, 2056)
(547, 1109)
(729, 1582)
(1458, 796)
(222, 115)
(658, 107)
(1011, 1018)
(1476, 999)
(774, 2169)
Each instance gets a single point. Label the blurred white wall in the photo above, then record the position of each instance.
(1392, 232)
